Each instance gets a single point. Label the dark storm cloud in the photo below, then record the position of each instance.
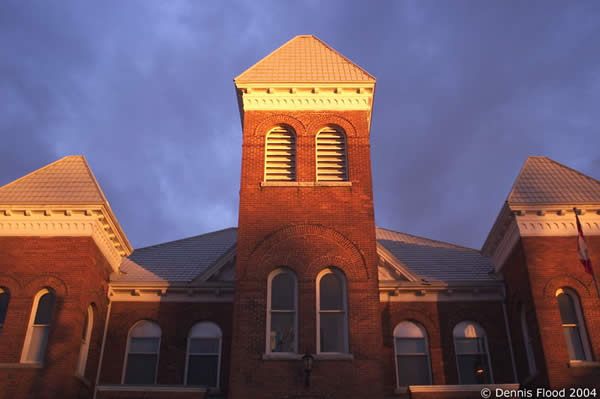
(465, 91)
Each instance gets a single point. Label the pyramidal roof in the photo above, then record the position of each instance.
(544, 181)
(305, 59)
(66, 181)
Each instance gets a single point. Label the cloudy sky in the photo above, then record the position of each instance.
(465, 92)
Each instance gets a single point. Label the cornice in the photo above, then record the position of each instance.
(163, 292)
(456, 291)
(66, 221)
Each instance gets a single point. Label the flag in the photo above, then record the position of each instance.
(584, 254)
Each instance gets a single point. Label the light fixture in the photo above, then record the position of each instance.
(308, 360)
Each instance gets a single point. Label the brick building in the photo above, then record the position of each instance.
(233, 313)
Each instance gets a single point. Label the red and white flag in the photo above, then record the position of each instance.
(584, 254)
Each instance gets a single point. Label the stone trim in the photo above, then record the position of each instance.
(150, 388)
(461, 388)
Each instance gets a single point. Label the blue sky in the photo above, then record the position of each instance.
(465, 92)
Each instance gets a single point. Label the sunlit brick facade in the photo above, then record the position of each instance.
(233, 313)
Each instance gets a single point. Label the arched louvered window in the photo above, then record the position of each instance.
(472, 355)
(36, 340)
(572, 325)
(331, 155)
(4, 299)
(280, 155)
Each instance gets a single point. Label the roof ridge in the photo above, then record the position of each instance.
(186, 238)
(430, 239)
(344, 57)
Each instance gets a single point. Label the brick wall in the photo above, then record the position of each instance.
(175, 321)
(76, 270)
(306, 228)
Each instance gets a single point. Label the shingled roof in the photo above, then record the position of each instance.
(66, 181)
(544, 181)
(305, 59)
(436, 260)
(177, 261)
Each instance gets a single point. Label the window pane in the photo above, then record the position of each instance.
(202, 370)
(574, 344)
(283, 292)
(331, 293)
(282, 332)
(567, 309)
(410, 345)
(141, 369)
(413, 370)
(332, 332)
(204, 345)
(469, 345)
(37, 345)
(4, 298)
(44, 309)
(473, 369)
(144, 345)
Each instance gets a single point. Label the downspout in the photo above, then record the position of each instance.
(510, 345)
(102, 348)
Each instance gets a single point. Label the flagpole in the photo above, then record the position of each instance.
(592, 270)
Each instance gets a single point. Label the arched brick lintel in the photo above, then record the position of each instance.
(582, 289)
(277, 120)
(293, 247)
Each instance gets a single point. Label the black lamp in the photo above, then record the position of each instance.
(308, 360)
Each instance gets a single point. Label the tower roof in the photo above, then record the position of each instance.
(544, 181)
(305, 59)
(66, 181)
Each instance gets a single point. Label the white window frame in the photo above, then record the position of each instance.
(342, 277)
(187, 351)
(341, 131)
(272, 275)
(4, 291)
(85, 343)
(580, 321)
(528, 341)
(142, 353)
(292, 134)
(31, 326)
(480, 333)
(396, 354)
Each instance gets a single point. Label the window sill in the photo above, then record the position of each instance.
(583, 363)
(306, 184)
(460, 388)
(333, 356)
(21, 365)
(281, 356)
(152, 388)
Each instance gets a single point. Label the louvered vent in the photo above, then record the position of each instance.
(331, 156)
(280, 159)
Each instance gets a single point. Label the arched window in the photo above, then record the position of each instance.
(38, 329)
(141, 362)
(203, 361)
(413, 366)
(280, 155)
(86, 335)
(332, 322)
(472, 355)
(282, 321)
(4, 299)
(572, 324)
(331, 155)
(528, 342)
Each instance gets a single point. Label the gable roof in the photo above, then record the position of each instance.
(177, 261)
(66, 181)
(544, 181)
(436, 260)
(304, 59)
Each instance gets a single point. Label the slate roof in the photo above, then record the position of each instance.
(304, 59)
(66, 181)
(544, 181)
(436, 260)
(176, 261)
